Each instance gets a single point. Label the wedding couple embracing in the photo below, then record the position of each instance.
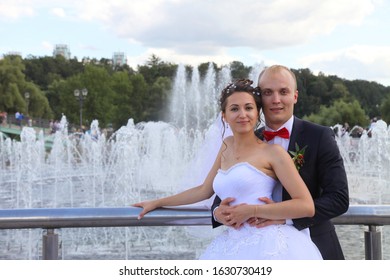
(278, 187)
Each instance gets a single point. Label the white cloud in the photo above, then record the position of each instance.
(47, 46)
(198, 27)
(202, 27)
(59, 12)
(356, 62)
(206, 27)
(14, 10)
(170, 55)
(193, 32)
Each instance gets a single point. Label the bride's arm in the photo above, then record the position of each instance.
(301, 203)
(190, 196)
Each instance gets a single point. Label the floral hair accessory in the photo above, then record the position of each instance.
(242, 85)
(257, 91)
(298, 156)
(230, 87)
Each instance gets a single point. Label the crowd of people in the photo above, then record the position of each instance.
(356, 131)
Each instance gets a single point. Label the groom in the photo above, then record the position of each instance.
(322, 168)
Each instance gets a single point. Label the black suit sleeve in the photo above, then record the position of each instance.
(216, 203)
(326, 179)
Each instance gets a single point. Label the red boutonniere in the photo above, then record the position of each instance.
(298, 156)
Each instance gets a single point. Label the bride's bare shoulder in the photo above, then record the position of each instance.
(274, 149)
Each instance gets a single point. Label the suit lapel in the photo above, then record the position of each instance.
(295, 137)
(296, 133)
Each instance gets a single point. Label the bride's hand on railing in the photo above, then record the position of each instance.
(147, 206)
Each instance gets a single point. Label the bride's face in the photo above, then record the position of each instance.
(241, 112)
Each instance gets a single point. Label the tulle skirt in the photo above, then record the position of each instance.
(276, 242)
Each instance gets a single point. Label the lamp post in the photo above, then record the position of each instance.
(81, 95)
(27, 96)
(28, 119)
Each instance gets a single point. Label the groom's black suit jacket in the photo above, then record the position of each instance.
(324, 174)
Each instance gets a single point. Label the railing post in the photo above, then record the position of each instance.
(373, 243)
(50, 245)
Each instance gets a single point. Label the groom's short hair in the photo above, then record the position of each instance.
(277, 68)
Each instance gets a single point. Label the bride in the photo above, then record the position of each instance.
(247, 168)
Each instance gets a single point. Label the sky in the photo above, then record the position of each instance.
(347, 38)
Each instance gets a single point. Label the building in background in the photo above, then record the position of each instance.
(119, 59)
(61, 49)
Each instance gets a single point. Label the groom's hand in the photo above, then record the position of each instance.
(221, 213)
(260, 222)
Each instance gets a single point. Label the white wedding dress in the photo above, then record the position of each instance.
(276, 242)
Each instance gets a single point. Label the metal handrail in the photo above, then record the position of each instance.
(51, 218)
(54, 218)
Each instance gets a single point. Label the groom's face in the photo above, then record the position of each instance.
(279, 95)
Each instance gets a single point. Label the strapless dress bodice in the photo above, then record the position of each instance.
(244, 182)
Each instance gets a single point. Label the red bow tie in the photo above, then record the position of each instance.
(269, 135)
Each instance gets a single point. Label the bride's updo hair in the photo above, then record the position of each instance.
(241, 85)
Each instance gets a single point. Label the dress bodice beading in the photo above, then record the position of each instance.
(244, 182)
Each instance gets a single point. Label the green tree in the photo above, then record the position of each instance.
(45, 70)
(339, 113)
(369, 94)
(385, 110)
(315, 91)
(57, 103)
(13, 87)
(122, 86)
(204, 68)
(139, 97)
(12, 82)
(303, 77)
(38, 104)
(156, 68)
(239, 70)
(142, 94)
(157, 100)
(99, 103)
(338, 91)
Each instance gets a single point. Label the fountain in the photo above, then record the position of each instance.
(367, 162)
(143, 161)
